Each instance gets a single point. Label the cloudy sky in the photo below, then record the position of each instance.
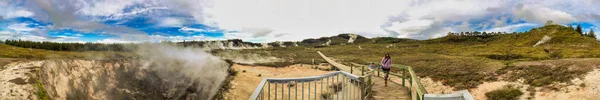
(110, 21)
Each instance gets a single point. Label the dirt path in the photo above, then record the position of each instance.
(244, 83)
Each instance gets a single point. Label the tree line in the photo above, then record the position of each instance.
(69, 46)
(580, 31)
(479, 34)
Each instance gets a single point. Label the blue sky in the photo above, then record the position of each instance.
(118, 21)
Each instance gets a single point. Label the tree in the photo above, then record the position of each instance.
(579, 29)
(591, 34)
(549, 22)
(571, 26)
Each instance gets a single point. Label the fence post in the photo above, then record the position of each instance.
(363, 70)
(403, 76)
(351, 69)
(363, 91)
(313, 63)
(378, 69)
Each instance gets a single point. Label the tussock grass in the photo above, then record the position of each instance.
(507, 93)
(28, 53)
(544, 73)
(463, 63)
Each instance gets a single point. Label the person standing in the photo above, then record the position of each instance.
(372, 66)
(386, 65)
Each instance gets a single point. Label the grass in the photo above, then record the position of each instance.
(549, 72)
(226, 85)
(461, 64)
(27, 53)
(506, 93)
(41, 93)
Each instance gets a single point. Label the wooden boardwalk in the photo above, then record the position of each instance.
(394, 91)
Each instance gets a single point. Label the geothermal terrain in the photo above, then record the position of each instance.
(549, 62)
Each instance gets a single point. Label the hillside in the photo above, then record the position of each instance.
(558, 36)
(463, 63)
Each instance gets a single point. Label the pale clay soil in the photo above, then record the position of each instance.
(244, 83)
(17, 81)
(591, 91)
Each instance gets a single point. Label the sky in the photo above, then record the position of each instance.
(126, 21)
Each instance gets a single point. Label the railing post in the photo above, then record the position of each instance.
(351, 69)
(362, 72)
(363, 91)
(378, 69)
(410, 81)
(276, 91)
(269, 92)
(403, 76)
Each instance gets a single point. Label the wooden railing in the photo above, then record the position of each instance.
(335, 85)
(416, 88)
(362, 84)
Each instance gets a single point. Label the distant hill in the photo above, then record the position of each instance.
(545, 36)
(556, 35)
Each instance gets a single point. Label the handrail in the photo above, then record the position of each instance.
(413, 79)
(420, 89)
(346, 77)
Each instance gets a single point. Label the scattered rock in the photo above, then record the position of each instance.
(18, 81)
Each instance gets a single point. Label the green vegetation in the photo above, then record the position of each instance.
(462, 61)
(579, 29)
(226, 86)
(544, 73)
(41, 94)
(28, 53)
(70, 46)
(507, 93)
(591, 34)
(540, 75)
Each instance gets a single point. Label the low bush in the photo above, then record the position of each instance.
(506, 93)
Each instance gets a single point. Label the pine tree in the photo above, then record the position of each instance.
(571, 26)
(591, 34)
(579, 29)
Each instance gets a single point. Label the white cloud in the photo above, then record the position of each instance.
(187, 29)
(5, 35)
(316, 18)
(511, 28)
(159, 38)
(171, 22)
(540, 14)
(20, 27)
(405, 29)
(276, 20)
(105, 7)
(111, 40)
(19, 13)
(304, 18)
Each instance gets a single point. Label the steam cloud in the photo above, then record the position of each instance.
(204, 72)
(543, 40)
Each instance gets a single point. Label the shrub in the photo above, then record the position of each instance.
(506, 93)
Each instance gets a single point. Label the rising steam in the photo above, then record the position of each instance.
(543, 40)
(199, 71)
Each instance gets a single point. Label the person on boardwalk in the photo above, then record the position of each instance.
(386, 65)
(372, 66)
